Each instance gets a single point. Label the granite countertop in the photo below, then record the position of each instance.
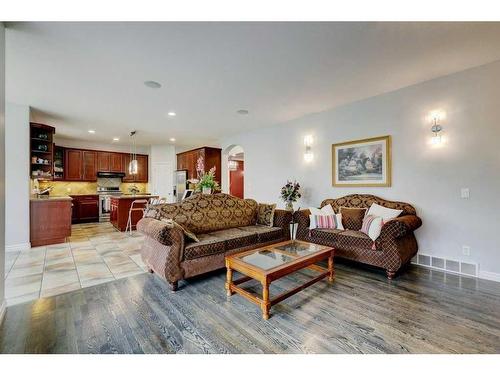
(134, 196)
(52, 198)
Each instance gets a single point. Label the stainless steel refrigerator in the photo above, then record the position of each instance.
(180, 181)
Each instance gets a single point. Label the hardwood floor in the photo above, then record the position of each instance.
(421, 311)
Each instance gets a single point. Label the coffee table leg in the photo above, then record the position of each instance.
(266, 304)
(229, 281)
(331, 269)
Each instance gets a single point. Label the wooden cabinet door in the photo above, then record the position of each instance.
(116, 162)
(73, 165)
(142, 170)
(89, 165)
(88, 209)
(103, 161)
(126, 161)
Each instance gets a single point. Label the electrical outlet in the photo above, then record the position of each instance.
(465, 193)
(466, 250)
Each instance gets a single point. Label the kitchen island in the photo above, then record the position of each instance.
(50, 220)
(120, 206)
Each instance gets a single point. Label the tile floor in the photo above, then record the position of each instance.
(95, 253)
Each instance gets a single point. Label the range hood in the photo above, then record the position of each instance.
(111, 174)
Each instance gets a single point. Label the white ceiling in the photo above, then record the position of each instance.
(80, 76)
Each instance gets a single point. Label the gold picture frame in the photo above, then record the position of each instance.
(359, 163)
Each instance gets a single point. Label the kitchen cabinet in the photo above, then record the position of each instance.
(142, 169)
(211, 158)
(83, 165)
(85, 208)
(89, 165)
(116, 162)
(126, 161)
(73, 165)
(103, 161)
(50, 220)
(110, 162)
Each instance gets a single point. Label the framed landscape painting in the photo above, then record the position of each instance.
(366, 162)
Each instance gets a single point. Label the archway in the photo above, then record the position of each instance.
(234, 160)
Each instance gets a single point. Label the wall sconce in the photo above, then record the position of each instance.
(308, 154)
(436, 127)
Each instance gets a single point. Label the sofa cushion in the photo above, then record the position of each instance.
(352, 218)
(235, 238)
(347, 239)
(207, 245)
(264, 233)
(265, 214)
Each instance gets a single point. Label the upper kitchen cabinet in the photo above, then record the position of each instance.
(89, 165)
(73, 165)
(142, 169)
(211, 158)
(103, 161)
(110, 162)
(80, 165)
(41, 151)
(116, 162)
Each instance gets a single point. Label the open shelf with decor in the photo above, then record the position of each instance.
(41, 151)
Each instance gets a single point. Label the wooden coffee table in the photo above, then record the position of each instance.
(273, 262)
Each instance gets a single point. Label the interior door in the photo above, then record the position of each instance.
(163, 180)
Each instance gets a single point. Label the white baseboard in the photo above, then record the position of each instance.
(18, 247)
(493, 276)
(3, 308)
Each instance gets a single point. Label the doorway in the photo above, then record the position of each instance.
(236, 168)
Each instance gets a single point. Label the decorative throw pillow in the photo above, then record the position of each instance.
(325, 210)
(352, 218)
(326, 221)
(265, 214)
(187, 233)
(385, 213)
(372, 226)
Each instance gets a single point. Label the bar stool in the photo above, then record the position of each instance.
(133, 207)
(153, 202)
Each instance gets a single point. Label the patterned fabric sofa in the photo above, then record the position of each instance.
(394, 248)
(223, 224)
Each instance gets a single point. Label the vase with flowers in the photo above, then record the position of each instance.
(207, 183)
(290, 193)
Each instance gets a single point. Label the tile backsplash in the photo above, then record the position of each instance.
(61, 188)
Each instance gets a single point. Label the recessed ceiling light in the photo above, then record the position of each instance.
(92, 131)
(116, 139)
(152, 84)
(172, 139)
(172, 114)
(242, 111)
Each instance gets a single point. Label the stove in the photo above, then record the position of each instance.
(105, 193)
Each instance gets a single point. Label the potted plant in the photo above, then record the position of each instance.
(290, 193)
(207, 183)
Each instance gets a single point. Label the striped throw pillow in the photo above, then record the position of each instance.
(326, 221)
(372, 226)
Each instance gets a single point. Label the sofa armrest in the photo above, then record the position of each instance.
(301, 218)
(163, 248)
(400, 226)
(282, 219)
(157, 230)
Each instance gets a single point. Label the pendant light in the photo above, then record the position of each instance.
(133, 166)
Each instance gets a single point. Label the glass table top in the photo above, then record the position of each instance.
(271, 257)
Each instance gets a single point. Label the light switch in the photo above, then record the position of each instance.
(465, 193)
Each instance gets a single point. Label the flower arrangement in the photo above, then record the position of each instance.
(207, 182)
(290, 193)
